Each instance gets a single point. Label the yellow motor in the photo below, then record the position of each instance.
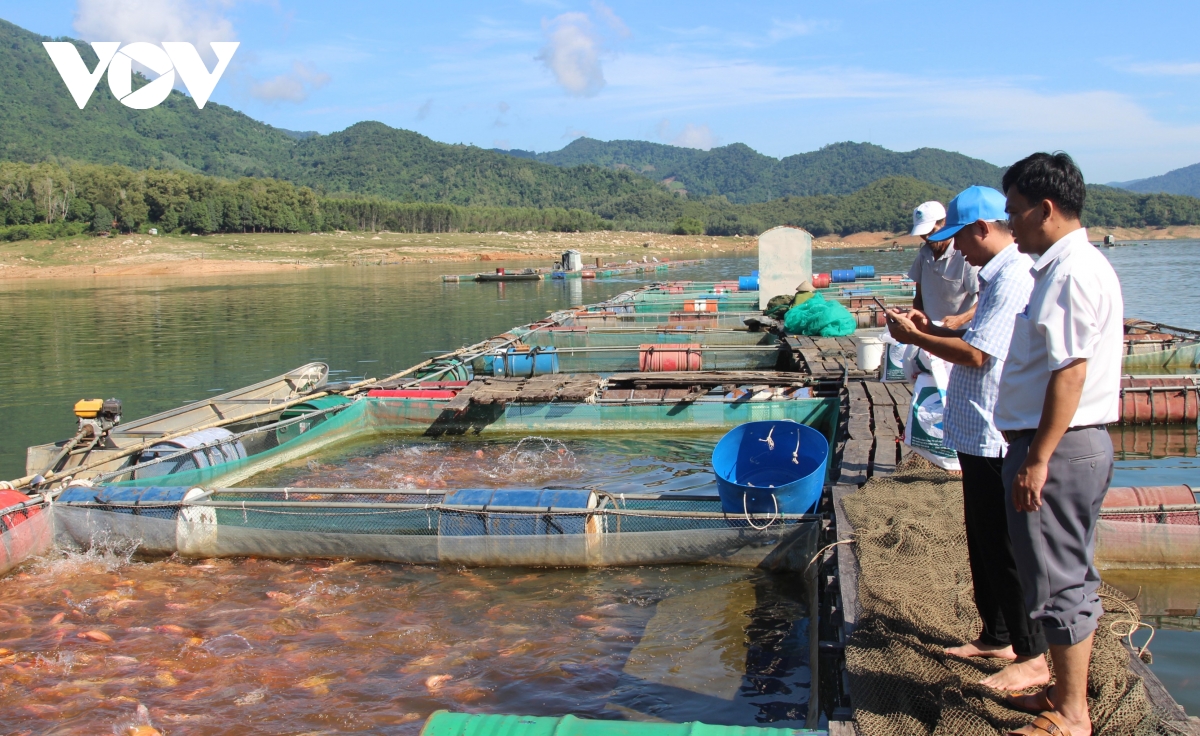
(88, 408)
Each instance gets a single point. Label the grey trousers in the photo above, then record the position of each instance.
(1054, 546)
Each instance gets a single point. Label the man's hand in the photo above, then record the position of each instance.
(907, 327)
(1027, 486)
(956, 321)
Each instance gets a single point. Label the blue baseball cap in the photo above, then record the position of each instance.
(971, 205)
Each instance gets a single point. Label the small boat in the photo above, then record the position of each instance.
(1152, 347)
(527, 274)
(102, 435)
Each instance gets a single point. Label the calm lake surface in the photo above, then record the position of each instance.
(158, 343)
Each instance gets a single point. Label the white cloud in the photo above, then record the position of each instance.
(1166, 68)
(784, 29)
(692, 135)
(295, 86)
(573, 133)
(610, 19)
(154, 21)
(695, 136)
(572, 54)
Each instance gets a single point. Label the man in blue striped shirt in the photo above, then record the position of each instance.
(978, 224)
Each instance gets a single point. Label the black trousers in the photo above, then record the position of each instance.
(998, 593)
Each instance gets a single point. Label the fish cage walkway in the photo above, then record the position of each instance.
(870, 445)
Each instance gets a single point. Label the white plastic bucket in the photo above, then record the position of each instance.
(870, 353)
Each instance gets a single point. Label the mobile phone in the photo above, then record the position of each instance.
(883, 306)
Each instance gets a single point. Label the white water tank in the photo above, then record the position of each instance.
(784, 261)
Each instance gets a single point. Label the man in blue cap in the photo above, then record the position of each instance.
(977, 222)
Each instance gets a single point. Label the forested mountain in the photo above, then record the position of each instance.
(64, 171)
(1179, 181)
(744, 175)
(39, 121)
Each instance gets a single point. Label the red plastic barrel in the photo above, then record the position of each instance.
(12, 498)
(588, 275)
(666, 358)
(1167, 400)
(31, 538)
(820, 280)
(1134, 496)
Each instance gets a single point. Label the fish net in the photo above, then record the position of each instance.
(434, 535)
(820, 317)
(915, 599)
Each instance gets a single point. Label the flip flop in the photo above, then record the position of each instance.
(1046, 724)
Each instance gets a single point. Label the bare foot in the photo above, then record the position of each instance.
(1022, 674)
(979, 649)
(1040, 702)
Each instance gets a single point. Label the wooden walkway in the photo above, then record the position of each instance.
(870, 443)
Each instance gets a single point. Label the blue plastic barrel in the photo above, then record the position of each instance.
(842, 275)
(781, 459)
(748, 283)
(864, 272)
(526, 363)
(477, 519)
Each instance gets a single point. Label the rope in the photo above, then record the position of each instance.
(1133, 622)
(746, 511)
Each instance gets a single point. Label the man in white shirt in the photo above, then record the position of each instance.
(946, 284)
(978, 223)
(1059, 388)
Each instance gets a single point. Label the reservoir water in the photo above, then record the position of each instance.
(326, 648)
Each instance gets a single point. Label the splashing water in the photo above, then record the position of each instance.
(104, 552)
(537, 457)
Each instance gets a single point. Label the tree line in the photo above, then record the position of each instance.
(48, 200)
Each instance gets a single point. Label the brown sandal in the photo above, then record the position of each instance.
(1045, 705)
(1047, 724)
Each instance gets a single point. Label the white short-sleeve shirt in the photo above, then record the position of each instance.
(1075, 311)
(949, 284)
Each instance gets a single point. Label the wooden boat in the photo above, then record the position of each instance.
(105, 436)
(1152, 347)
(528, 274)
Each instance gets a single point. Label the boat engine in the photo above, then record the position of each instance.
(100, 415)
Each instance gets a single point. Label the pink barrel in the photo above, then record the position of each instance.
(1135, 496)
(668, 358)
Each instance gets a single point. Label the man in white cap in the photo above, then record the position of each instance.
(947, 286)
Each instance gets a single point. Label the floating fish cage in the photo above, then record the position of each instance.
(484, 527)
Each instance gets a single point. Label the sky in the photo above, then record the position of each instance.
(1116, 84)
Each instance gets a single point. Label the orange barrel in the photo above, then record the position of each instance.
(891, 278)
(1135, 496)
(588, 275)
(820, 280)
(1166, 400)
(700, 305)
(673, 290)
(667, 358)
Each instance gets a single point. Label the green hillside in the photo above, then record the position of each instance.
(744, 175)
(39, 120)
(1180, 181)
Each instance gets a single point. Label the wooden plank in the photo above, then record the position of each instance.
(856, 391)
(856, 459)
(463, 399)
(843, 728)
(901, 393)
(827, 344)
(847, 559)
(885, 422)
(1173, 713)
(879, 393)
(858, 427)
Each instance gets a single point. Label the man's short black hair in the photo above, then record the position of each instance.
(1052, 176)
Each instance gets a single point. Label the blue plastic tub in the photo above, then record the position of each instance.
(864, 272)
(842, 276)
(748, 283)
(761, 464)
